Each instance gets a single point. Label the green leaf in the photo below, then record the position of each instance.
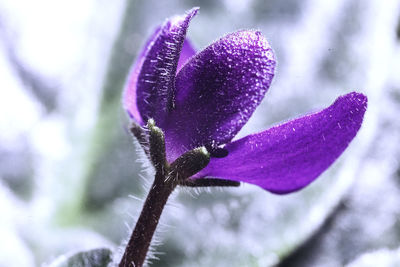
(100, 257)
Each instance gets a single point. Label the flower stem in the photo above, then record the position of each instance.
(139, 243)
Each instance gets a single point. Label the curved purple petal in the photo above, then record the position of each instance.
(129, 97)
(186, 53)
(156, 79)
(288, 157)
(218, 90)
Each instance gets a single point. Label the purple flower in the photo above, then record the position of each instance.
(205, 98)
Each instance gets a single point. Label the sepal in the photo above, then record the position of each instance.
(157, 146)
(189, 163)
(141, 136)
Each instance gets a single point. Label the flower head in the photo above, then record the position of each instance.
(205, 98)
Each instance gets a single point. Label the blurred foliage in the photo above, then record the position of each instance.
(107, 168)
(92, 258)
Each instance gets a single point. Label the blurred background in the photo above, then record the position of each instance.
(72, 179)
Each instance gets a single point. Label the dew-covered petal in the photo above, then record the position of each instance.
(156, 79)
(218, 90)
(129, 97)
(288, 157)
(186, 53)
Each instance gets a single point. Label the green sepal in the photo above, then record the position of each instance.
(209, 182)
(141, 136)
(157, 147)
(189, 164)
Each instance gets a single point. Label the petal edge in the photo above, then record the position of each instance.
(156, 80)
(129, 97)
(288, 157)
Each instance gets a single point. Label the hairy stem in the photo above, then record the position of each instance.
(209, 182)
(139, 243)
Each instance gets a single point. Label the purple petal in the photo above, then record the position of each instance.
(156, 80)
(186, 53)
(288, 157)
(129, 97)
(218, 90)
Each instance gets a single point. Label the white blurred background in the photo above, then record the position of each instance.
(71, 178)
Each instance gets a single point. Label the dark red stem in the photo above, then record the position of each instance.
(139, 243)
